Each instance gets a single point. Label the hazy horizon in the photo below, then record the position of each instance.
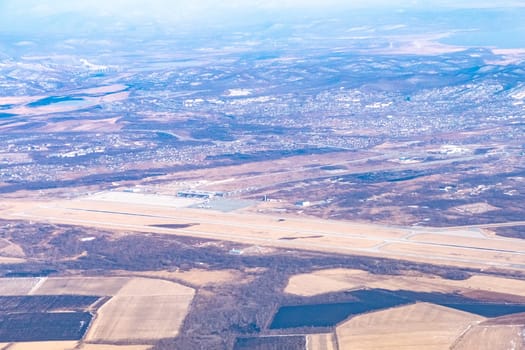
(32, 17)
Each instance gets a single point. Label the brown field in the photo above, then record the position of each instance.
(9, 249)
(275, 171)
(326, 281)
(512, 319)
(459, 246)
(68, 345)
(143, 310)
(196, 277)
(491, 338)
(77, 125)
(493, 284)
(139, 319)
(417, 326)
(475, 208)
(321, 342)
(17, 286)
(103, 286)
(45, 345)
(333, 280)
(152, 287)
(11, 260)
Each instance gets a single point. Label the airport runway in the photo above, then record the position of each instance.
(458, 246)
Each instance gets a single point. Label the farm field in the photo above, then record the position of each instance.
(50, 317)
(45, 326)
(11, 260)
(333, 280)
(324, 341)
(10, 250)
(415, 326)
(196, 277)
(492, 337)
(45, 303)
(106, 286)
(18, 286)
(68, 345)
(45, 345)
(143, 310)
(140, 309)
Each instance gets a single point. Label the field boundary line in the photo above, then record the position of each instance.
(462, 335)
(37, 285)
